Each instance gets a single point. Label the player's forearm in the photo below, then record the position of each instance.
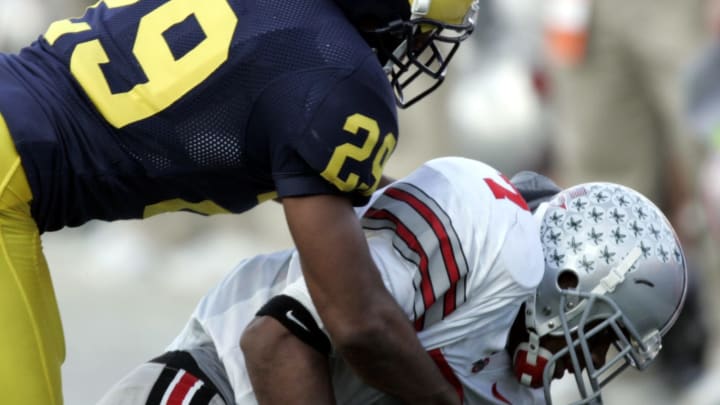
(390, 358)
(365, 323)
(379, 343)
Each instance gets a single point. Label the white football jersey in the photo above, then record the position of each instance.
(456, 247)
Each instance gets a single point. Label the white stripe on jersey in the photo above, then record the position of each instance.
(171, 387)
(176, 389)
(191, 392)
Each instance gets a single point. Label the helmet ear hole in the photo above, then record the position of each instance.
(567, 280)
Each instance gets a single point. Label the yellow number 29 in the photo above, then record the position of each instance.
(353, 125)
(168, 78)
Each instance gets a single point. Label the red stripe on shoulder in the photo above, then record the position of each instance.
(446, 249)
(181, 389)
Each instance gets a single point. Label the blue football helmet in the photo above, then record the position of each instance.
(424, 44)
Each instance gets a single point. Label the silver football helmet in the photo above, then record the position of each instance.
(613, 266)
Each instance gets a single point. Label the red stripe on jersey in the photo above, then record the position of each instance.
(181, 389)
(447, 371)
(438, 228)
(419, 322)
(449, 305)
(412, 242)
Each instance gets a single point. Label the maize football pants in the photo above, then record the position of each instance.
(33, 347)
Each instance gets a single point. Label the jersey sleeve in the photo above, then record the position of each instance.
(340, 136)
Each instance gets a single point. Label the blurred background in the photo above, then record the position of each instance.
(575, 89)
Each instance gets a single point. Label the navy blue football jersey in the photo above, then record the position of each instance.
(147, 106)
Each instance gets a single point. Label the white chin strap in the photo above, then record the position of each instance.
(533, 348)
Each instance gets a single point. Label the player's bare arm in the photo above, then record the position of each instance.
(274, 354)
(365, 324)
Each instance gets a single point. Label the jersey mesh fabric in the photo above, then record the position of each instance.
(211, 143)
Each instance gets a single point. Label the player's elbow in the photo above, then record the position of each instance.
(260, 339)
(364, 335)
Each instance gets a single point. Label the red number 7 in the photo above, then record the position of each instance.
(511, 193)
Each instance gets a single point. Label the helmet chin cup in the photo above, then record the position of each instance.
(529, 362)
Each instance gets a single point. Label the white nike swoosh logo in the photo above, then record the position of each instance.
(291, 317)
